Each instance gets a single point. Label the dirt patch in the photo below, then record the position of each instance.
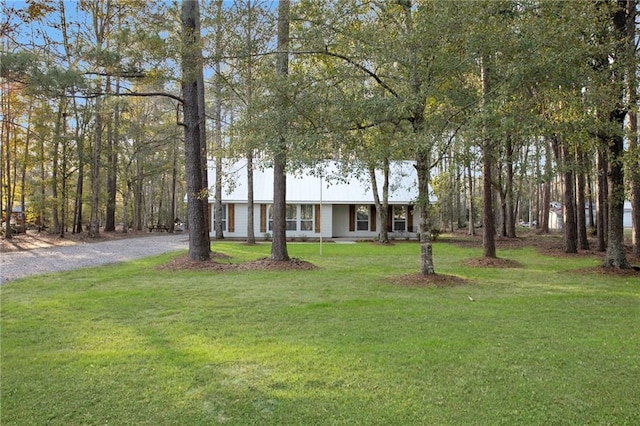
(601, 270)
(490, 262)
(33, 239)
(546, 244)
(220, 262)
(436, 280)
(543, 242)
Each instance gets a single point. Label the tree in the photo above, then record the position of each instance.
(398, 84)
(7, 135)
(488, 162)
(250, 32)
(217, 116)
(493, 44)
(616, 255)
(632, 131)
(197, 194)
(570, 226)
(279, 244)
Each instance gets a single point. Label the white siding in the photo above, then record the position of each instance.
(334, 197)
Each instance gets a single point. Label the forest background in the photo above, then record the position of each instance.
(110, 109)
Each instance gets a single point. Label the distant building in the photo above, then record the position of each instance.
(331, 206)
(555, 215)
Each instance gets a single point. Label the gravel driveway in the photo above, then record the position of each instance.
(20, 264)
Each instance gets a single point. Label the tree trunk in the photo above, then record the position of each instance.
(382, 207)
(205, 243)
(25, 161)
(632, 131)
(55, 210)
(502, 212)
(174, 186)
(510, 210)
(112, 170)
(251, 237)
(592, 217)
(204, 164)
(459, 205)
(426, 246)
(42, 168)
(472, 213)
(78, 202)
(583, 241)
(569, 226)
(94, 222)
(488, 218)
(546, 188)
(138, 196)
(64, 171)
(279, 242)
(125, 208)
(635, 205)
(601, 200)
(196, 193)
(6, 160)
(77, 210)
(634, 149)
(219, 232)
(616, 256)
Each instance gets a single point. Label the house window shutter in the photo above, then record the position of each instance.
(317, 219)
(352, 218)
(231, 225)
(390, 219)
(410, 218)
(210, 219)
(373, 220)
(263, 218)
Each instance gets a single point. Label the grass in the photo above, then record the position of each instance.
(133, 344)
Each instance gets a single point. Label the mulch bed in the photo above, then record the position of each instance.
(490, 262)
(435, 280)
(546, 244)
(221, 262)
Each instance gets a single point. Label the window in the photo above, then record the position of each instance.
(362, 218)
(298, 217)
(291, 217)
(270, 217)
(223, 220)
(399, 218)
(306, 217)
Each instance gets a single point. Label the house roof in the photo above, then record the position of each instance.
(307, 187)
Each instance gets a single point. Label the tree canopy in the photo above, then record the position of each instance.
(509, 104)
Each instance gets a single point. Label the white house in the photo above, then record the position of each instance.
(556, 221)
(319, 203)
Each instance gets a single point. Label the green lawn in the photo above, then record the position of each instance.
(134, 344)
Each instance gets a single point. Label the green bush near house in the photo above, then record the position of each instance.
(342, 344)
